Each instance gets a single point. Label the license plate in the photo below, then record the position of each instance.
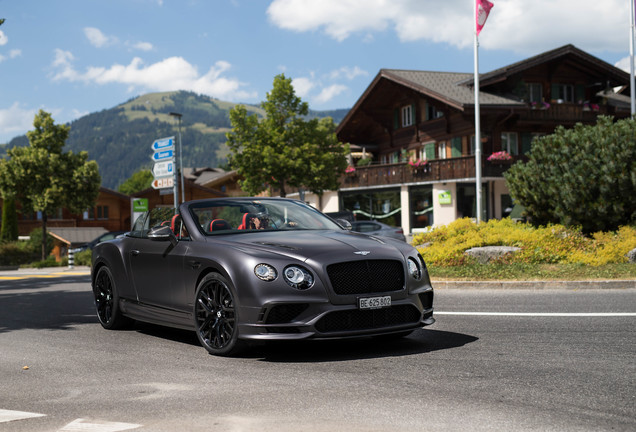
(374, 302)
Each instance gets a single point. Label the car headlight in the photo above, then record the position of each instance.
(265, 272)
(298, 277)
(414, 269)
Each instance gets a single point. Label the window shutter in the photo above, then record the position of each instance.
(413, 114)
(426, 111)
(579, 91)
(555, 91)
(456, 147)
(526, 142)
(430, 151)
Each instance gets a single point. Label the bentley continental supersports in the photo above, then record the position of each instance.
(239, 270)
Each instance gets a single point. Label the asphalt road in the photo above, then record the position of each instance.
(488, 364)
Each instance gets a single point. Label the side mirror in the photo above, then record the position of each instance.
(163, 233)
(344, 224)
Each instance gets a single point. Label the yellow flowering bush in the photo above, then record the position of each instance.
(551, 244)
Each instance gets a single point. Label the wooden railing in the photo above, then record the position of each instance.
(567, 112)
(435, 170)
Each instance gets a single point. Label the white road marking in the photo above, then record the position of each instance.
(542, 314)
(7, 415)
(81, 425)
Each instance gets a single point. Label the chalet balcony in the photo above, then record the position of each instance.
(567, 113)
(434, 171)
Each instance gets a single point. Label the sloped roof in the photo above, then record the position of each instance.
(76, 235)
(567, 50)
(448, 87)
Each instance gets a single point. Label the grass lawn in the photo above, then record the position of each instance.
(528, 272)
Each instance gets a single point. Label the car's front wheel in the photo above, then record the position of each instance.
(107, 301)
(216, 316)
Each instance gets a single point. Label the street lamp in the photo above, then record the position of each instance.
(178, 116)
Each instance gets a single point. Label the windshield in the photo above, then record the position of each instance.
(224, 216)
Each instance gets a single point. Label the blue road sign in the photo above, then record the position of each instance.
(163, 144)
(162, 155)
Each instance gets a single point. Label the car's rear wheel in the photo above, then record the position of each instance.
(107, 301)
(216, 316)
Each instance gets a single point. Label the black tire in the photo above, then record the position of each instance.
(216, 316)
(107, 301)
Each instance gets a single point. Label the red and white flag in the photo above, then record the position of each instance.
(481, 13)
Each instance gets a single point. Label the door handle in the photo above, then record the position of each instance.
(134, 252)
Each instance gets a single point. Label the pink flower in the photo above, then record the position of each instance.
(499, 156)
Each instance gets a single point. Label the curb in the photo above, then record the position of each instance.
(536, 285)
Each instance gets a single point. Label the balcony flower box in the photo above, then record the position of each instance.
(500, 157)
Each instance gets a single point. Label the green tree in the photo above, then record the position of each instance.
(9, 231)
(43, 179)
(137, 182)
(584, 176)
(283, 149)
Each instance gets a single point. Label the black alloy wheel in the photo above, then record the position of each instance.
(107, 301)
(216, 317)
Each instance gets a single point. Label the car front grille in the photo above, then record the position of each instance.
(356, 319)
(367, 276)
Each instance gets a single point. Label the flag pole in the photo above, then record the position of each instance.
(477, 122)
(632, 87)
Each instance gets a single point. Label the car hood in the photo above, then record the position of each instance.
(324, 245)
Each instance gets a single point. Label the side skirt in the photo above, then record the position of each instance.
(157, 315)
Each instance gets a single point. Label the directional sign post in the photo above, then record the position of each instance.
(163, 170)
(162, 183)
(163, 144)
(163, 155)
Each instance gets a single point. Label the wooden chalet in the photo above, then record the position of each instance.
(416, 128)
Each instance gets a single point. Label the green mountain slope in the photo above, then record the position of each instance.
(119, 138)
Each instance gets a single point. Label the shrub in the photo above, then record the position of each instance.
(16, 253)
(550, 244)
(83, 258)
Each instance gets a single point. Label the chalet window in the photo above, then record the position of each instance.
(433, 113)
(472, 145)
(408, 115)
(563, 92)
(99, 212)
(510, 142)
(535, 92)
(441, 150)
(102, 212)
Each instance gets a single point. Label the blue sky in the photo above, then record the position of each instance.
(74, 57)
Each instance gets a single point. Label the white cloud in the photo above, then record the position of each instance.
(330, 92)
(302, 86)
(143, 46)
(12, 54)
(623, 64)
(16, 120)
(517, 25)
(97, 38)
(173, 73)
(3, 38)
(349, 73)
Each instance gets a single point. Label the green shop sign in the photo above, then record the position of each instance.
(140, 205)
(445, 197)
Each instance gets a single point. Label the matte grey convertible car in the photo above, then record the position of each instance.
(242, 269)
